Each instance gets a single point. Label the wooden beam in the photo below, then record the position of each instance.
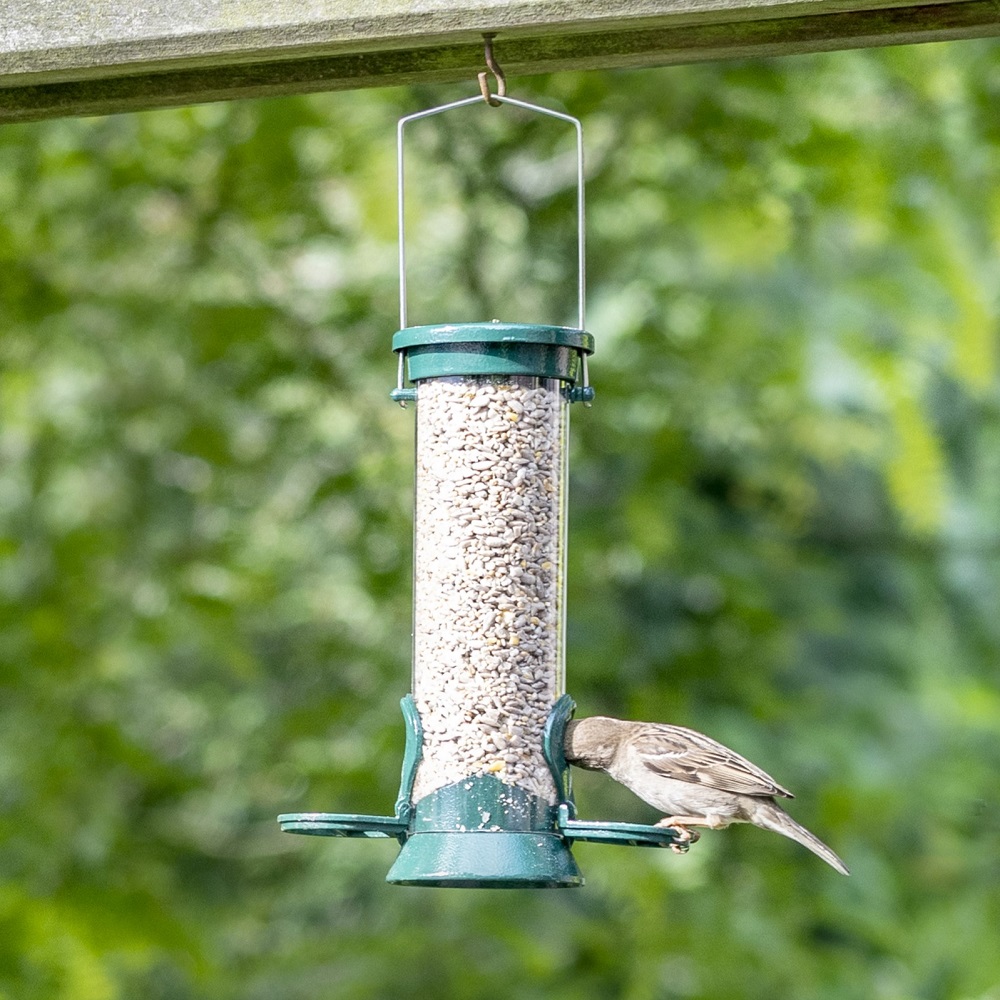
(75, 57)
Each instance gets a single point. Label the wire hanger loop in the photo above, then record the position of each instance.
(495, 100)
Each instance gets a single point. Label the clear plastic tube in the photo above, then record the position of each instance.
(489, 580)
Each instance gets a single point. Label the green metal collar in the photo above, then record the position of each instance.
(445, 334)
(505, 349)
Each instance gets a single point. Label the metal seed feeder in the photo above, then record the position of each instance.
(485, 798)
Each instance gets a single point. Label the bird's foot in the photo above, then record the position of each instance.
(685, 837)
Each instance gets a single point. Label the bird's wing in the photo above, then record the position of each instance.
(686, 755)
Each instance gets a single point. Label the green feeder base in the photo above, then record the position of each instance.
(456, 840)
(480, 860)
(480, 832)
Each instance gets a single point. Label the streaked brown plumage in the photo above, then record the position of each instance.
(693, 779)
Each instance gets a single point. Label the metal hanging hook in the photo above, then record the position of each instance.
(497, 72)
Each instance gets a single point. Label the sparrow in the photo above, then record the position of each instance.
(689, 776)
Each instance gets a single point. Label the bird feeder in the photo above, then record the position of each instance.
(485, 797)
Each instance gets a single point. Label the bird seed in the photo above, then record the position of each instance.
(488, 596)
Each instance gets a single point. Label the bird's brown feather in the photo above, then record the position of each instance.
(687, 755)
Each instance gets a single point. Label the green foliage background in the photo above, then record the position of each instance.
(784, 528)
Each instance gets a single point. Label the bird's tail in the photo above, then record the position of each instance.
(772, 817)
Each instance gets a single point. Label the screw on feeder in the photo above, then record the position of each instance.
(485, 796)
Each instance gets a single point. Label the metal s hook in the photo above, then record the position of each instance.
(497, 72)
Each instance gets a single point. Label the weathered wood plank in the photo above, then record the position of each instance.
(74, 57)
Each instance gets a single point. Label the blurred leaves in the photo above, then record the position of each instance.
(783, 527)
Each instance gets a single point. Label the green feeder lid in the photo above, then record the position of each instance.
(496, 348)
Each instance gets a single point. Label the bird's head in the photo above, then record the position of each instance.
(592, 743)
